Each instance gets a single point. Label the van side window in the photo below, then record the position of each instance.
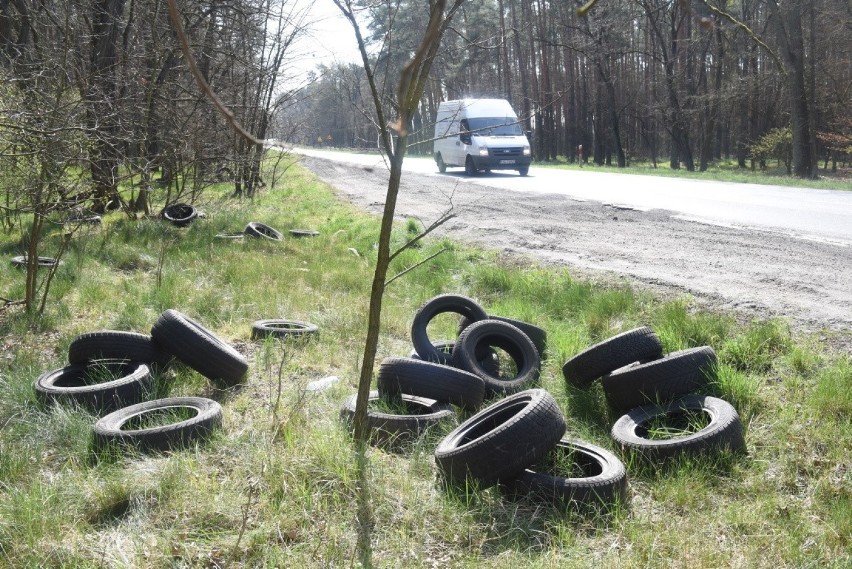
(464, 131)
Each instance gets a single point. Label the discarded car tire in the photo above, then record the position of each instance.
(499, 442)
(256, 229)
(639, 344)
(678, 373)
(78, 384)
(440, 304)
(724, 430)
(603, 480)
(390, 428)
(83, 217)
(199, 348)
(117, 427)
(304, 232)
(433, 381)
(180, 214)
(533, 332)
(21, 261)
(495, 333)
(116, 345)
(292, 329)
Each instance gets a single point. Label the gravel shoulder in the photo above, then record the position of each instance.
(754, 273)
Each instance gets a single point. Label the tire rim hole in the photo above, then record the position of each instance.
(397, 406)
(678, 423)
(286, 327)
(443, 325)
(569, 463)
(159, 418)
(491, 422)
(94, 374)
(507, 368)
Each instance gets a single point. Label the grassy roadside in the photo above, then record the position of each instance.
(724, 171)
(280, 485)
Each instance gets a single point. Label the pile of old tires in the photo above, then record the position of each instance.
(517, 442)
(96, 358)
(437, 375)
(648, 387)
(506, 442)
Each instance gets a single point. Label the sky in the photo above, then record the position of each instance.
(330, 39)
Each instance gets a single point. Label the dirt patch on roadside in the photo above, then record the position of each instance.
(753, 273)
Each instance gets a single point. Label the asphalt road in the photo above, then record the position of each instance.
(760, 251)
(824, 215)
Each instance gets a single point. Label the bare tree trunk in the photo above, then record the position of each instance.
(103, 100)
(788, 21)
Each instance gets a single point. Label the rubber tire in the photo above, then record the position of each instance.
(438, 305)
(117, 345)
(503, 335)
(488, 359)
(292, 329)
(180, 214)
(498, 443)
(391, 429)
(304, 232)
(725, 430)
(638, 344)
(678, 373)
(21, 261)
(199, 348)
(231, 235)
(442, 166)
(109, 428)
(433, 381)
(607, 485)
(84, 218)
(533, 332)
(257, 229)
(64, 384)
(470, 167)
(524, 170)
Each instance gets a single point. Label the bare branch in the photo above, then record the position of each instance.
(174, 15)
(409, 269)
(445, 217)
(729, 17)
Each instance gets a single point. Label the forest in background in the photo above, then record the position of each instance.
(96, 95)
(678, 82)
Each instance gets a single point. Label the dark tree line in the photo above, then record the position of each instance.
(688, 82)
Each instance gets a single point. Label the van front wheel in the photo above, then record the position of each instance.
(470, 167)
(442, 167)
(524, 170)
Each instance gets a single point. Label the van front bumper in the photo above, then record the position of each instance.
(501, 162)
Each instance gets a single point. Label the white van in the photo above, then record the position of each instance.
(480, 134)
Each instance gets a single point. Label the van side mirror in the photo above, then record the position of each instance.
(529, 134)
(465, 137)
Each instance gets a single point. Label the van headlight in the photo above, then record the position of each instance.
(527, 151)
(483, 151)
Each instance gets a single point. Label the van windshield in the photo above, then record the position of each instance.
(495, 126)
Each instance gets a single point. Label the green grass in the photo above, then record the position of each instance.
(282, 484)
